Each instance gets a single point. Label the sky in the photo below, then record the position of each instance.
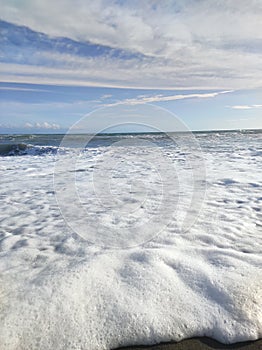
(199, 59)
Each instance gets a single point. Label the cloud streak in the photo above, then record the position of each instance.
(148, 73)
(162, 98)
(244, 107)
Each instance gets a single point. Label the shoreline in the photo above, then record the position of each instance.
(198, 343)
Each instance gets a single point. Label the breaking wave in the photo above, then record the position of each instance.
(21, 149)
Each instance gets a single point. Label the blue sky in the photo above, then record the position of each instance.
(198, 59)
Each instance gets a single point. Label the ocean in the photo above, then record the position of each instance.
(130, 239)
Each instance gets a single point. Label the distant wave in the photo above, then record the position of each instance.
(41, 144)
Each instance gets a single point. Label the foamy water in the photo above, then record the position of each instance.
(59, 290)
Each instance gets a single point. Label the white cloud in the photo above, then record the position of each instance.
(188, 44)
(150, 27)
(246, 106)
(7, 126)
(42, 125)
(28, 125)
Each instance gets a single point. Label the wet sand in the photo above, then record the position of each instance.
(202, 343)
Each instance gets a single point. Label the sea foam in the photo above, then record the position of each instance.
(60, 291)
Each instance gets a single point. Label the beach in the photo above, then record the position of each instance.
(200, 344)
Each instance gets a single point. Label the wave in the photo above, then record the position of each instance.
(21, 149)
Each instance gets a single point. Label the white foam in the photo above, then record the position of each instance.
(58, 291)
